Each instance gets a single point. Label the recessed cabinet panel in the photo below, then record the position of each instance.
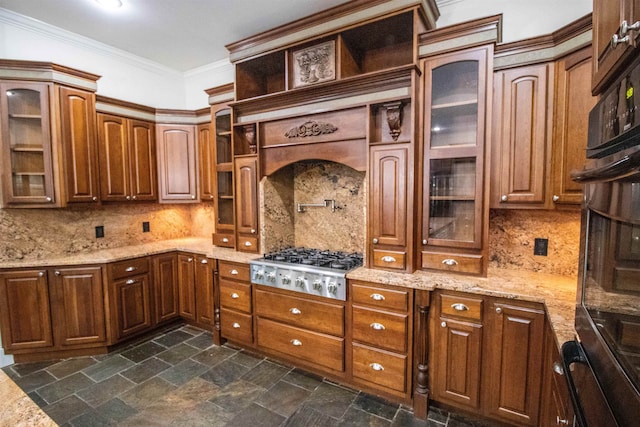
(142, 160)
(177, 163)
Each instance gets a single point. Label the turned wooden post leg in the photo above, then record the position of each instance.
(421, 392)
(217, 337)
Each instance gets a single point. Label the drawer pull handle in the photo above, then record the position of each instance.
(235, 295)
(225, 240)
(557, 368)
(234, 272)
(376, 366)
(388, 258)
(41, 274)
(295, 342)
(236, 325)
(130, 269)
(295, 311)
(377, 297)
(377, 326)
(130, 282)
(204, 261)
(450, 262)
(190, 259)
(459, 307)
(247, 244)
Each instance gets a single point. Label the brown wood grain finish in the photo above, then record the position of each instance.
(454, 262)
(132, 301)
(245, 175)
(380, 329)
(224, 239)
(461, 306)
(389, 259)
(129, 267)
(177, 163)
(186, 279)
(556, 407)
(301, 344)
(204, 290)
(142, 160)
(234, 271)
(235, 295)
(166, 287)
(206, 162)
(384, 298)
(79, 146)
(380, 367)
(235, 326)
(301, 312)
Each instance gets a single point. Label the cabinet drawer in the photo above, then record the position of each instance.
(388, 299)
(458, 306)
(380, 367)
(236, 326)
(300, 344)
(248, 243)
(224, 240)
(129, 267)
(315, 315)
(380, 329)
(236, 296)
(389, 259)
(234, 271)
(460, 263)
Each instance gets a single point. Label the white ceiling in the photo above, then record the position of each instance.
(180, 34)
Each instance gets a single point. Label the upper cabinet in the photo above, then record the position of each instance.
(206, 162)
(616, 27)
(454, 211)
(177, 162)
(47, 135)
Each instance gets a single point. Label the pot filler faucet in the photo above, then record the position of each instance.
(327, 203)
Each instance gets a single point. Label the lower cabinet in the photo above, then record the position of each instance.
(130, 297)
(195, 277)
(487, 356)
(52, 309)
(557, 409)
(165, 286)
(236, 302)
(381, 324)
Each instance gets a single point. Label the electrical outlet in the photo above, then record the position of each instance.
(146, 227)
(540, 246)
(99, 231)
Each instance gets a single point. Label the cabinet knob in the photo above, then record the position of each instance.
(375, 241)
(557, 368)
(376, 366)
(193, 197)
(377, 326)
(236, 325)
(135, 197)
(211, 197)
(253, 231)
(295, 310)
(561, 421)
(128, 197)
(204, 261)
(225, 240)
(377, 297)
(504, 198)
(555, 198)
(234, 272)
(450, 262)
(424, 241)
(235, 295)
(130, 282)
(57, 273)
(296, 342)
(41, 274)
(499, 310)
(190, 259)
(94, 198)
(130, 269)
(443, 324)
(49, 199)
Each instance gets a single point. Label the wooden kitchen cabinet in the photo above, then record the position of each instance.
(236, 302)
(608, 17)
(177, 163)
(522, 132)
(127, 159)
(454, 204)
(223, 180)
(195, 277)
(388, 210)
(25, 310)
(130, 297)
(381, 327)
(556, 406)
(246, 197)
(206, 162)
(79, 145)
(166, 287)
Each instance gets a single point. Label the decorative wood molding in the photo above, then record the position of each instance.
(461, 36)
(421, 353)
(311, 128)
(221, 94)
(394, 118)
(11, 69)
(250, 137)
(124, 104)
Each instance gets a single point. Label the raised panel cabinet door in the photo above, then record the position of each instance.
(142, 160)
(77, 305)
(177, 163)
(206, 162)
(26, 142)
(114, 158)
(573, 102)
(457, 363)
(513, 373)
(25, 316)
(78, 139)
(521, 136)
(165, 284)
(186, 280)
(245, 175)
(133, 305)
(388, 202)
(557, 409)
(204, 291)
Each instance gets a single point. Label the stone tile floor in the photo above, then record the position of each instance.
(178, 377)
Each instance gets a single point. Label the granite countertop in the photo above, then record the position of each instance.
(17, 408)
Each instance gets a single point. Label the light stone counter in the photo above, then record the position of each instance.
(557, 293)
(17, 408)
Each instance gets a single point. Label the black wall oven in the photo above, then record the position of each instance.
(603, 364)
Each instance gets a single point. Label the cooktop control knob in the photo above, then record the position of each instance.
(300, 281)
(332, 287)
(286, 280)
(259, 274)
(317, 285)
(271, 276)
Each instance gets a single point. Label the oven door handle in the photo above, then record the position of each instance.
(572, 353)
(626, 166)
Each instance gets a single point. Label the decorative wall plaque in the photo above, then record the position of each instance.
(314, 64)
(310, 128)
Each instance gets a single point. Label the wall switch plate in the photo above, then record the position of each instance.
(99, 231)
(540, 246)
(146, 227)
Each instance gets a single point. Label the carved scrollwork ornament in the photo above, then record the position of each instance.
(311, 128)
(250, 137)
(394, 119)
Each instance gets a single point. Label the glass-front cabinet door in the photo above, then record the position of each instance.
(27, 174)
(224, 200)
(453, 206)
